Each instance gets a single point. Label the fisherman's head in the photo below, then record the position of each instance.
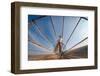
(60, 36)
(60, 39)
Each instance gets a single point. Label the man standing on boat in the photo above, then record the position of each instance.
(59, 48)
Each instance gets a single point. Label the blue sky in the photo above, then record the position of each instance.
(42, 32)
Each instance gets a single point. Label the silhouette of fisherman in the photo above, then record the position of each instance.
(59, 47)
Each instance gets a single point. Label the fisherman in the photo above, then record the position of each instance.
(59, 47)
